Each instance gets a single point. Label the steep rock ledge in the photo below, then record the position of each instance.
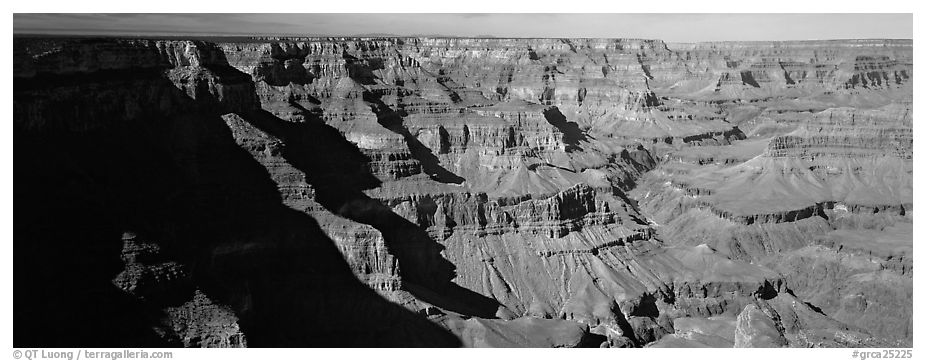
(442, 192)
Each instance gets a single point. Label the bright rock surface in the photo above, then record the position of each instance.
(465, 192)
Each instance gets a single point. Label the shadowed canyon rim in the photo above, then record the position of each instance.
(446, 192)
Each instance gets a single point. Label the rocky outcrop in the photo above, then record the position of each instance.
(827, 164)
(146, 274)
(455, 192)
(854, 288)
(222, 260)
(92, 83)
(846, 132)
(756, 328)
(804, 64)
(201, 323)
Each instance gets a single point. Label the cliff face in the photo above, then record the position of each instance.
(217, 259)
(827, 162)
(447, 192)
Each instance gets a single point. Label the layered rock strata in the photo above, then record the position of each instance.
(460, 192)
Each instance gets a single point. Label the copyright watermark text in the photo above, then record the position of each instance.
(63, 354)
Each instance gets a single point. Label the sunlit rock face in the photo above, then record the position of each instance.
(465, 192)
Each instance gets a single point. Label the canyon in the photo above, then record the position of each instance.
(458, 192)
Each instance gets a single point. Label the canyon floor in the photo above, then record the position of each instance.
(453, 192)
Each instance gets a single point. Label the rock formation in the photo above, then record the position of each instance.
(462, 192)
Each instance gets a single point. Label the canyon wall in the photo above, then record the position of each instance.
(456, 192)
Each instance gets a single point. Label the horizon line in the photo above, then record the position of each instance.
(178, 34)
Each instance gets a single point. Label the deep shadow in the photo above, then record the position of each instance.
(767, 291)
(361, 71)
(572, 135)
(646, 307)
(808, 304)
(339, 173)
(626, 329)
(177, 177)
(66, 250)
(393, 120)
(749, 79)
(283, 72)
(592, 340)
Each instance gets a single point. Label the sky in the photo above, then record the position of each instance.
(665, 26)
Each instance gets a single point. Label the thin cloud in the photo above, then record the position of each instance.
(668, 27)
